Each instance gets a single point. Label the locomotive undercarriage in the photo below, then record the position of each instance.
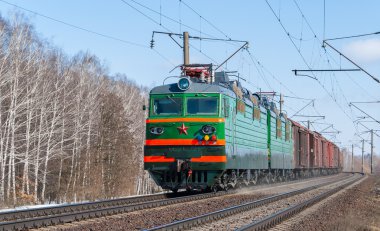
(236, 178)
(231, 179)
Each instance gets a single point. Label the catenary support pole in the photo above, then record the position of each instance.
(352, 159)
(186, 60)
(371, 149)
(362, 156)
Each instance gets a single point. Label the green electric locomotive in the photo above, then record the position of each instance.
(207, 132)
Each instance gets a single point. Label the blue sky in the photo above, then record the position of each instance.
(273, 53)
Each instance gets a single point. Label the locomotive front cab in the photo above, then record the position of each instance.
(185, 139)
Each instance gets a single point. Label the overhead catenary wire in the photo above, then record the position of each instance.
(260, 73)
(258, 62)
(304, 60)
(147, 16)
(321, 41)
(354, 36)
(164, 16)
(327, 53)
(351, 61)
(199, 50)
(75, 26)
(99, 34)
(211, 24)
(167, 29)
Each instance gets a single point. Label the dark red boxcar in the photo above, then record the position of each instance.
(318, 150)
(330, 151)
(312, 153)
(325, 157)
(301, 145)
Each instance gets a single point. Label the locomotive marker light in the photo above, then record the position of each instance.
(156, 130)
(183, 83)
(206, 137)
(207, 129)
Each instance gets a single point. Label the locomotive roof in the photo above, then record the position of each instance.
(194, 88)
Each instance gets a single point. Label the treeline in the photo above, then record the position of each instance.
(357, 162)
(68, 130)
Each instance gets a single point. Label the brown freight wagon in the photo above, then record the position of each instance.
(330, 151)
(325, 157)
(301, 145)
(312, 151)
(336, 157)
(318, 150)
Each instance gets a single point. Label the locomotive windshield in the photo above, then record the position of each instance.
(167, 106)
(202, 106)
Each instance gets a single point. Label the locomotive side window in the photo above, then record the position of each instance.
(226, 107)
(167, 106)
(202, 106)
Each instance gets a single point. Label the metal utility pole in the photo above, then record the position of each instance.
(371, 148)
(281, 102)
(308, 124)
(362, 156)
(186, 60)
(352, 159)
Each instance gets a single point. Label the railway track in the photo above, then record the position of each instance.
(41, 217)
(258, 225)
(275, 219)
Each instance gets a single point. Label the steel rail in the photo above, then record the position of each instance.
(64, 214)
(44, 211)
(277, 218)
(217, 215)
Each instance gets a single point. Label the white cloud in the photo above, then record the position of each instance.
(363, 50)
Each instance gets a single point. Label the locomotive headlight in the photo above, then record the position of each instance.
(156, 130)
(207, 129)
(159, 130)
(183, 83)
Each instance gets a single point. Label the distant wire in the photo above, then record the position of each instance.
(162, 15)
(145, 15)
(211, 24)
(275, 78)
(292, 97)
(179, 16)
(88, 31)
(353, 36)
(162, 56)
(77, 27)
(261, 74)
(204, 54)
(167, 29)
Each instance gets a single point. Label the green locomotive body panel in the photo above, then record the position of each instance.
(246, 138)
(281, 144)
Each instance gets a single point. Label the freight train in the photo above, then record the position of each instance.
(207, 132)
